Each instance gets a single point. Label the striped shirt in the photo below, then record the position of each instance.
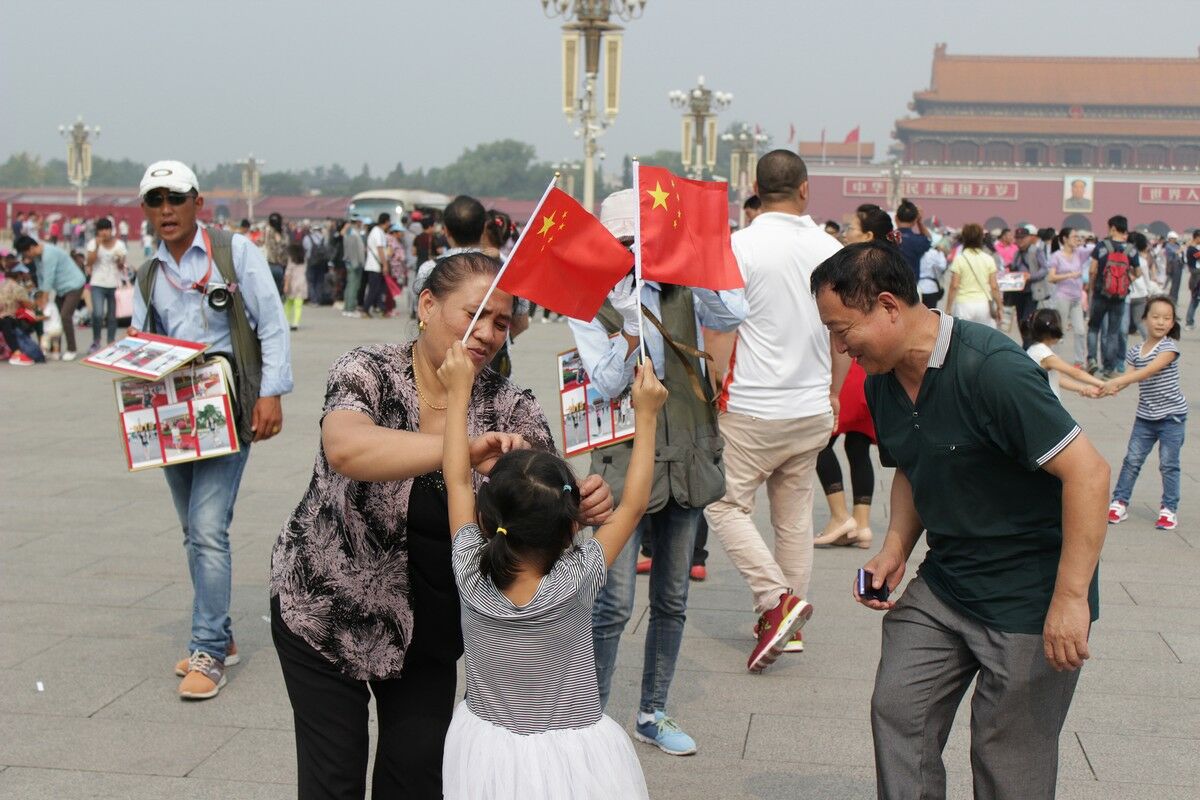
(1159, 396)
(531, 668)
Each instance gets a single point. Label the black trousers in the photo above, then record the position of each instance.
(376, 291)
(862, 474)
(330, 712)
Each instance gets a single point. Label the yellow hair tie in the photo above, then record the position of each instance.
(502, 531)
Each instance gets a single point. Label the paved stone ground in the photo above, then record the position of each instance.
(95, 600)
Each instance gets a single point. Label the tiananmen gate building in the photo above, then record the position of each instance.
(1008, 140)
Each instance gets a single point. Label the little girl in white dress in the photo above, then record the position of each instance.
(531, 726)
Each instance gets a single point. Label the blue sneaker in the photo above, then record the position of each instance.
(665, 735)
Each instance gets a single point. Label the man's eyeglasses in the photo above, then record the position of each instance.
(156, 199)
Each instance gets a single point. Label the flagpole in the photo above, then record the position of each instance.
(504, 266)
(637, 253)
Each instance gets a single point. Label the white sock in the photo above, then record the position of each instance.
(645, 717)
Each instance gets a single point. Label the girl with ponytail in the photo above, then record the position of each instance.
(532, 726)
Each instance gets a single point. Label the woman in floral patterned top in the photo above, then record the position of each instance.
(363, 595)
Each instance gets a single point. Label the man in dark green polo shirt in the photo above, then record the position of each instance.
(1012, 496)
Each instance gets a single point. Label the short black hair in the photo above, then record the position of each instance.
(829, 223)
(465, 218)
(384, 219)
(528, 511)
(779, 174)
(245, 223)
(104, 224)
(859, 273)
(1139, 241)
(874, 220)
(1045, 325)
(754, 202)
(907, 211)
(24, 243)
(1119, 224)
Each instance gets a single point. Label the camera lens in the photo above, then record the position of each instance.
(219, 298)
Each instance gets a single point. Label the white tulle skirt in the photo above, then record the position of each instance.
(487, 762)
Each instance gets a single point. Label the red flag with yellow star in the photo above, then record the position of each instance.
(685, 231)
(565, 260)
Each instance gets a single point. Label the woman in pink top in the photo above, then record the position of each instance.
(1067, 263)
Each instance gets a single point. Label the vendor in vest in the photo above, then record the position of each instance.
(179, 295)
(688, 475)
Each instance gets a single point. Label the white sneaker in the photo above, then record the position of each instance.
(1166, 519)
(1117, 512)
(68, 355)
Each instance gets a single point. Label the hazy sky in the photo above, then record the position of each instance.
(303, 82)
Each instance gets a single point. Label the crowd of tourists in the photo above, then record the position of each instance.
(440, 521)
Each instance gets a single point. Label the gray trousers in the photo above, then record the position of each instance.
(931, 652)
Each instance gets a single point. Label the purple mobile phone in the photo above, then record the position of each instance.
(867, 592)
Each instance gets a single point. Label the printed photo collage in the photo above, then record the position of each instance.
(186, 416)
(588, 420)
(145, 355)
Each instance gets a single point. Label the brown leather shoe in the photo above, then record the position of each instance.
(204, 678)
(231, 659)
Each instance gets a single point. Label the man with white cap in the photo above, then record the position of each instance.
(688, 472)
(206, 285)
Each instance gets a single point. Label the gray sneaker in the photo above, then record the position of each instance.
(205, 677)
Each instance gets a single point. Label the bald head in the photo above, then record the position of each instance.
(780, 175)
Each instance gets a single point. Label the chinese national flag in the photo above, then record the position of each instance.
(566, 260)
(685, 231)
(852, 136)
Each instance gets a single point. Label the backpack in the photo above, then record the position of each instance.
(1117, 273)
(319, 255)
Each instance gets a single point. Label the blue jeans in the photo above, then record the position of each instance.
(1191, 309)
(106, 299)
(204, 493)
(1109, 312)
(1169, 435)
(672, 530)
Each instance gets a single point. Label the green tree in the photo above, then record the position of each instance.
(282, 183)
(502, 168)
(22, 169)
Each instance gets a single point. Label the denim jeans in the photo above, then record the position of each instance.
(354, 276)
(1191, 309)
(1109, 312)
(1168, 433)
(673, 533)
(106, 299)
(204, 493)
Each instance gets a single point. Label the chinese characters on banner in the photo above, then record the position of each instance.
(1171, 194)
(928, 189)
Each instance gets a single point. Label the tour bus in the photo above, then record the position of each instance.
(397, 202)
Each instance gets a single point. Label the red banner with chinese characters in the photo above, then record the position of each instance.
(1169, 193)
(932, 189)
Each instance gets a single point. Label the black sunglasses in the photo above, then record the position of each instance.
(174, 198)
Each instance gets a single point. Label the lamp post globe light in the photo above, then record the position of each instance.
(700, 105)
(743, 161)
(251, 172)
(79, 154)
(588, 22)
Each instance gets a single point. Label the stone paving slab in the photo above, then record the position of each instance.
(92, 573)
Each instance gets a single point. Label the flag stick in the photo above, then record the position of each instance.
(504, 266)
(637, 254)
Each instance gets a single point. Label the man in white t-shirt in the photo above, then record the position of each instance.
(377, 245)
(105, 262)
(778, 405)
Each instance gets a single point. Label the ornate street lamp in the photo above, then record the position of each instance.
(743, 161)
(895, 173)
(588, 22)
(251, 171)
(700, 106)
(79, 155)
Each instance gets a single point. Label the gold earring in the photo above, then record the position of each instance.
(421, 326)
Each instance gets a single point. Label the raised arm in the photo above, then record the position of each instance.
(649, 396)
(457, 374)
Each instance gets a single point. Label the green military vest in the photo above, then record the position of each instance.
(688, 445)
(247, 350)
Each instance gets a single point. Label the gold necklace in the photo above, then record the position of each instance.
(424, 399)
